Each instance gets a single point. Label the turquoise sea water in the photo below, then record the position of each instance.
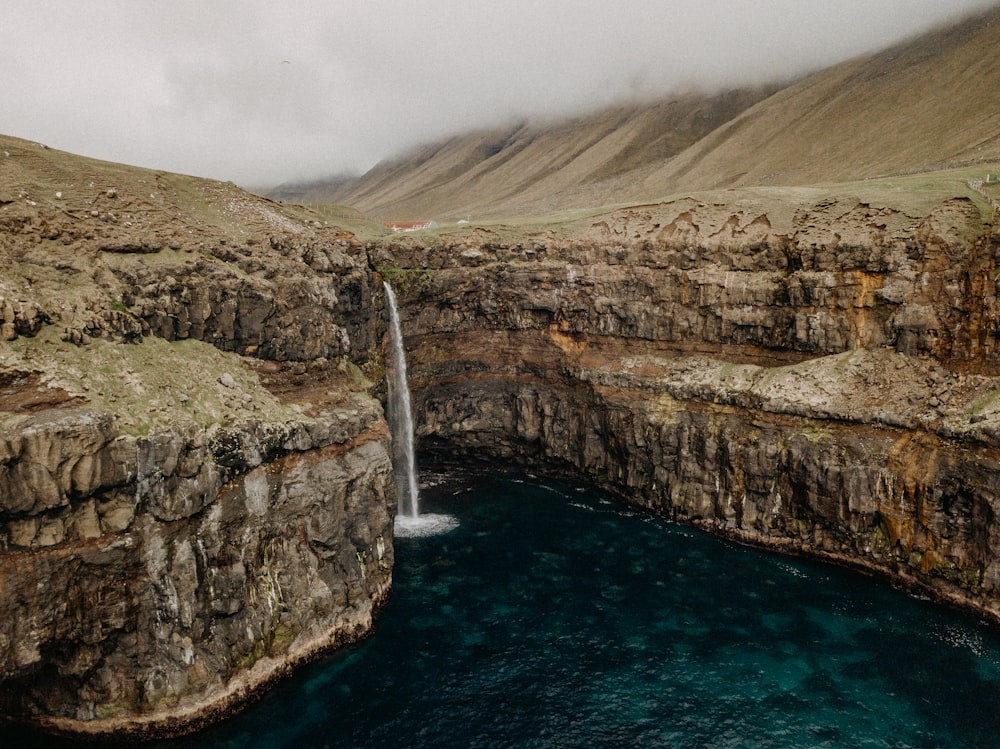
(554, 617)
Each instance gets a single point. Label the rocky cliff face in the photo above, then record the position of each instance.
(158, 581)
(822, 381)
(195, 485)
(196, 492)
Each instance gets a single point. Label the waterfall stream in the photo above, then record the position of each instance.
(401, 415)
(409, 521)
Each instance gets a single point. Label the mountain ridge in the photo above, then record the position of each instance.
(523, 164)
(914, 106)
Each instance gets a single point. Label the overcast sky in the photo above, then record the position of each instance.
(260, 91)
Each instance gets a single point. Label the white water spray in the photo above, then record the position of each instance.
(409, 521)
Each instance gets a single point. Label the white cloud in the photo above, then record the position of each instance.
(259, 92)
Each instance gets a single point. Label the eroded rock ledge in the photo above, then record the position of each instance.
(196, 493)
(828, 386)
(159, 581)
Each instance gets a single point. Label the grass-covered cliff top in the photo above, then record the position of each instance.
(75, 230)
(146, 385)
(79, 238)
(904, 200)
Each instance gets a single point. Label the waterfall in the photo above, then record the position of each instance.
(409, 521)
(401, 414)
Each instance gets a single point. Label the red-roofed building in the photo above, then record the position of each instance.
(410, 225)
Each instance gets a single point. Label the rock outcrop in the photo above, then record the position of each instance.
(159, 581)
(196, 493)
(823, 382)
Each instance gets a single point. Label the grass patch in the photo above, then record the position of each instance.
(911, 196)
(989, 402)
(354, 373)
(152, 384)
(362, 226)
(405, 281)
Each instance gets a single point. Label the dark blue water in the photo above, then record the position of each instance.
(554, 617)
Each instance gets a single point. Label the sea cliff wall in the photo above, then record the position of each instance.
(196, 493)
(157, 582)
(195, 485)
(825, 387)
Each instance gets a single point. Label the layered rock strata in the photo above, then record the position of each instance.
(826, 385)
(157, 582)
(196, 493)
(195, 488)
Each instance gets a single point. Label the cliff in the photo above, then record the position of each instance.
(195, 485)
(196, 493)
(818, 377)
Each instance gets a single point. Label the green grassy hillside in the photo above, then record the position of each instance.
(532, 168)
(923, 105)
(927, 104)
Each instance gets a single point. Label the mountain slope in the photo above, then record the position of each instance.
(925, 103)
(527, 168)
(922, 104)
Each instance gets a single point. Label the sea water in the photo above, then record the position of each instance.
(552, 616)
